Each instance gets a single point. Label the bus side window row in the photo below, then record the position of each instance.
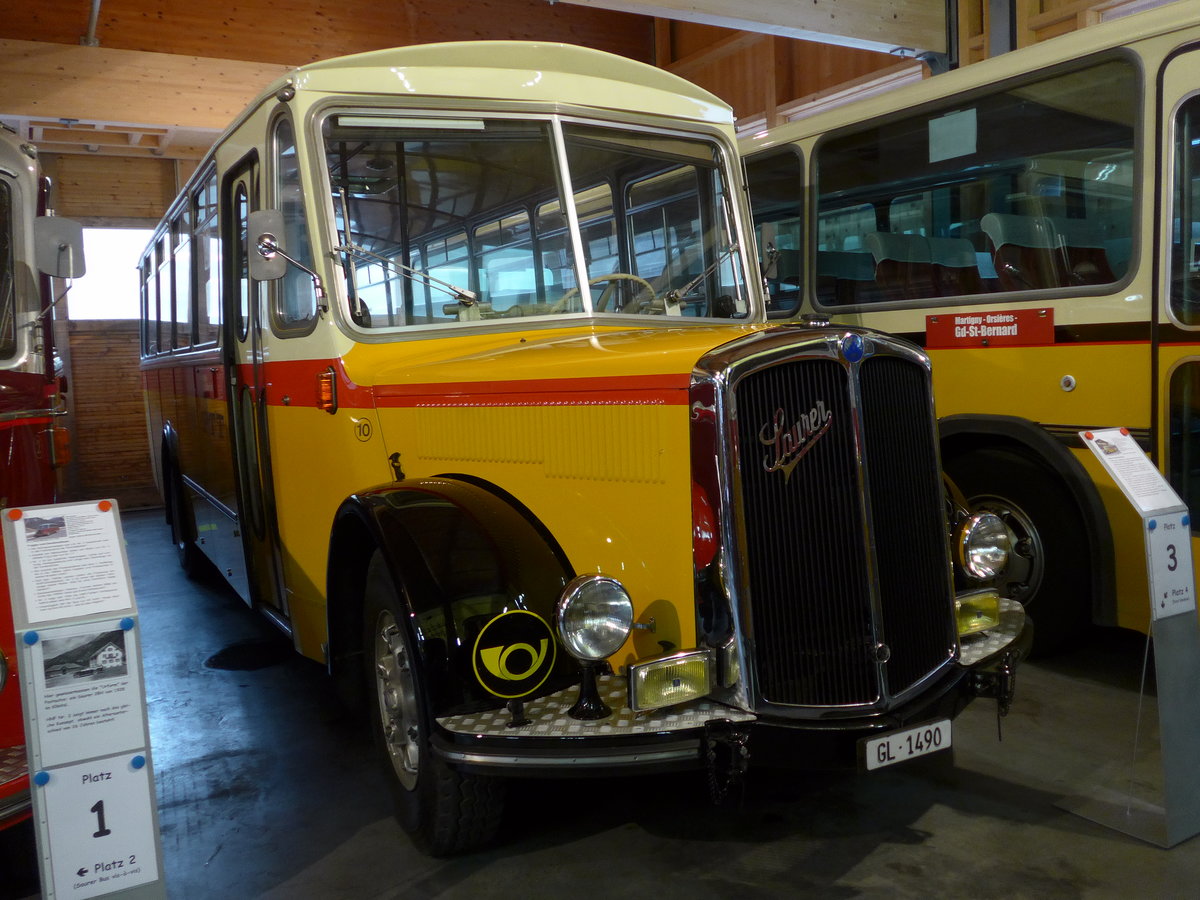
(1019, 253)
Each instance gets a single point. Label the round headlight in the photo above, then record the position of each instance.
(594, 617)
(983, 546)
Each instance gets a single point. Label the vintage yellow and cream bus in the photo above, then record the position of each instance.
(34, 247)
(457, 367)
(1034, 221)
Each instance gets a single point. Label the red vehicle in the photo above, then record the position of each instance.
(34, 246)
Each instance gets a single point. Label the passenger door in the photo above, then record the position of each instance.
(244, 329)
(1177, 280)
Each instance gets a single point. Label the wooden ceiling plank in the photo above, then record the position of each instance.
(885, 25)
(95, 83)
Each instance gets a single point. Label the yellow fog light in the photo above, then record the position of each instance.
(977, 611)
(667, 680)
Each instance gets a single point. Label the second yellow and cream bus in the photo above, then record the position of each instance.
(458, 368)
(1034, 222)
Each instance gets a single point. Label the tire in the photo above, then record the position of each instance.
(191, 560)
(1050, 570)
(444, 811)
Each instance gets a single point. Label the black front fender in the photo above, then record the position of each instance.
(460, 553)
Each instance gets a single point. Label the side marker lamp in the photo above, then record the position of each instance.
(668, 680)
(327, 391)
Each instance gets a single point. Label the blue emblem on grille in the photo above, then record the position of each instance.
(853, 348)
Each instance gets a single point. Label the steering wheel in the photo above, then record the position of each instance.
(606, 294)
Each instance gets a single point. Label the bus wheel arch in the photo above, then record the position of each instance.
(390, 644)
(444, 810)
(176, 506)
(397, 520)
(1012, 466)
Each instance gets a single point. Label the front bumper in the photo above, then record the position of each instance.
(15, 802)
(550, 742)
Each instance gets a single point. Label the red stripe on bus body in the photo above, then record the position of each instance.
(26, 421)
(294, 383)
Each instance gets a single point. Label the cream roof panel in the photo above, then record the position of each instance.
(516, 70)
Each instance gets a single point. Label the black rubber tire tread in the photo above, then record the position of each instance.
(191, 560)
(1060, 607)
(448, 811)
(465, 811)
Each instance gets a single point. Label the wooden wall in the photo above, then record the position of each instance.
(109, 448)
(101, 190)
(1037, 21)
(758, 74)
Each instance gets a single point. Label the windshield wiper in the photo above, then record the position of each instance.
(462, 295)
(676, 295)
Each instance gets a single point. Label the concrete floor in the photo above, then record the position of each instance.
(267, 790)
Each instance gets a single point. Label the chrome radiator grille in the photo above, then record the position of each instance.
(846, 579)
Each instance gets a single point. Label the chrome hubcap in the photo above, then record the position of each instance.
(396, 692)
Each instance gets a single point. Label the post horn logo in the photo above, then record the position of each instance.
(787, 444)
(514, 654)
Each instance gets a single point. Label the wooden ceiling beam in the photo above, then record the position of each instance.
(914, 26)
(54, 81)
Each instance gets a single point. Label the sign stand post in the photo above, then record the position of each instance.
(84, 698)
(1176, 633)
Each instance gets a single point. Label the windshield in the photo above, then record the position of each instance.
(442, 221)
(8, 300)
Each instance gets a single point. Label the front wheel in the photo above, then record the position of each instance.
(1050, 569)
(444, 810)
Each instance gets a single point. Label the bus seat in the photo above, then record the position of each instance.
(955, 267)
(1023, 248)
(1086, 258)
(1119, 251)
(843, 276)
(903, 264)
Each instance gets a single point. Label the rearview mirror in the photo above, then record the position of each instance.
(264, 227)
(58, 247)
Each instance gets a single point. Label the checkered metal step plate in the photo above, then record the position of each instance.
(548, 716)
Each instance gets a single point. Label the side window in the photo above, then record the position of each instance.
(241, 268)
(8, 299)
(146, 279)
(1029, 187)
(295, 302)
(1185, 216)
(181, 268)
(160, 298)
(206, 249)
(776, 181)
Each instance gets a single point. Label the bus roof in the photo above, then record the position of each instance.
(515, 70)
(1017, 63)
(17, 157)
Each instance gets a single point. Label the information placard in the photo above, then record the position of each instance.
(83, 696)
(1175, 630)
(101, 835)
(1132, 470)
(69, 560)
(1169, 551)
(90, 701)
